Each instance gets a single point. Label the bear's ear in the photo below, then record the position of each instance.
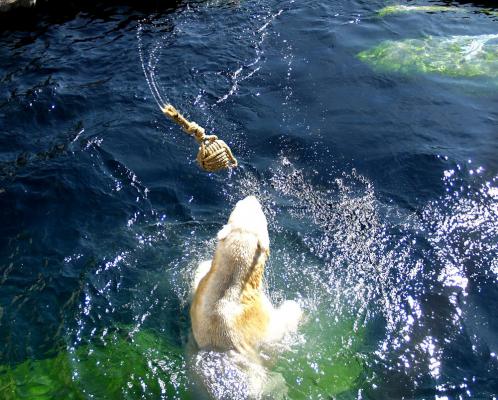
(224, 232)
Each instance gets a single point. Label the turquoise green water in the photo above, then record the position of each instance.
(369, 139)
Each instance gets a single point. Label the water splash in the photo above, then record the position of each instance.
(250, 68)
(149, 67)
(356, 264)
(358, 258)
(251, 37)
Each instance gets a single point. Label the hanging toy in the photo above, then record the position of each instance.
(214, 154)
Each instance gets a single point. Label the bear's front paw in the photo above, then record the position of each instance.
(290, 314)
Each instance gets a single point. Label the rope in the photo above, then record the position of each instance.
(214, 154)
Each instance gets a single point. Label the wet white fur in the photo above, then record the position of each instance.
(222, 295)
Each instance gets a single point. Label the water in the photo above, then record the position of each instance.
(380, 188)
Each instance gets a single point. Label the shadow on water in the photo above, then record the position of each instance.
(479, 3)
(49, 12)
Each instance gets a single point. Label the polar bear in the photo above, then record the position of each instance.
(230, 310)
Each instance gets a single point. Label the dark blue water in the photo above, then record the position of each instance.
(380, 189)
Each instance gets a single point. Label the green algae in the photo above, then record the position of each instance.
(453, 56)
(120, 367)
(402, 9)
(327, 364)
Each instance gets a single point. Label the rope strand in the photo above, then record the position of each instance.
(214, 154)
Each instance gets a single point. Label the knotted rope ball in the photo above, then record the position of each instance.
(214, 154)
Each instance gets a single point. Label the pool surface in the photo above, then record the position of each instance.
(370, 136)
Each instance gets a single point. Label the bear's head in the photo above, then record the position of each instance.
(248, 217)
